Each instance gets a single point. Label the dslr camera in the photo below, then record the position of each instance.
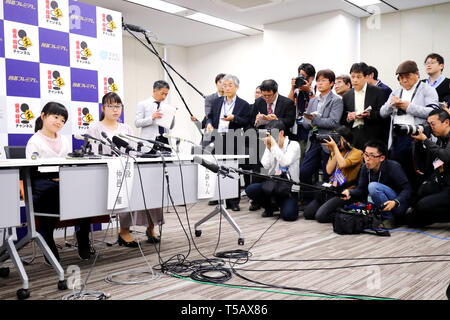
(300, 81)
(410, 130)
(324, 137)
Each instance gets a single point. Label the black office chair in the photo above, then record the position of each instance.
(15, 152)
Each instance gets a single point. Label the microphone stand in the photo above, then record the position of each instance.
(164, 64)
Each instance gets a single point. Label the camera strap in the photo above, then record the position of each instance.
(414, 93)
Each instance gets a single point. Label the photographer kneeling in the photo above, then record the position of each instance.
(343, 167)
(434, 194)
(385, 182)
(281, 157)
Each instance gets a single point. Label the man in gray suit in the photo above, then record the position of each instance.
(322, 116)
(210, 99)
(148, 111)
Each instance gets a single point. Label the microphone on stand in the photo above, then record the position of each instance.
(151, 141)
(213, 167)
(120, 143)
(112, 144)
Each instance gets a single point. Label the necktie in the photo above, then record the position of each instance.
(161, 129)
(269, 109)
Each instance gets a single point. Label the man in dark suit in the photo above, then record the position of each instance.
(272, 106)
(372, 78)
(229, 113)
(365, 124)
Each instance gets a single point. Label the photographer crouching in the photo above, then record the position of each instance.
(434, 194)
(281, 157)
(343, 167)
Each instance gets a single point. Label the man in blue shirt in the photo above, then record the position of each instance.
(434, 66)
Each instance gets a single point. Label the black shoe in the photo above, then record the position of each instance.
(254, 206)
(267, 213)
(235, 207)
(131, 244)
(213, 203)
(84, 246)
(152, 239)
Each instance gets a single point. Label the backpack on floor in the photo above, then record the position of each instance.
(358, 218)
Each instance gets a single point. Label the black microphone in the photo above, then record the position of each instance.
(213, 167)
(151, 141)
(89, 138)
(134, 28)
(112, 144)
(122, 143)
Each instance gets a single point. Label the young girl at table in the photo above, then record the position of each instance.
(47, 142)
(112, 108)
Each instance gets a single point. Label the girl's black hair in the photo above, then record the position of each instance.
(110, 97)
(49, 109)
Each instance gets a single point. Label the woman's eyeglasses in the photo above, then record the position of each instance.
(114, 106)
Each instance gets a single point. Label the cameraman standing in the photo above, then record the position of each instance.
(434, 194)
(322, 116)
(302, 90)
(408, 107)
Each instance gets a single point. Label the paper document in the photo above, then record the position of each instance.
(168, 114)
(366, 110)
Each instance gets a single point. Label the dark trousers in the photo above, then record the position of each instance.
(323, 208)
(288, 205)
(46, 200)
(433, 206)
(315, 158)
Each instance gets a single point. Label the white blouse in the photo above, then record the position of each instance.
(44, 147)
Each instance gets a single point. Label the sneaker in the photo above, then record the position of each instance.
(84, 246)
(389, 224)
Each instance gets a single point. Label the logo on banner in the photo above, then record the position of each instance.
(83, 52)
(108, 25)
(109, 56)
(85, 118)
(53, 13)
(23, 115)
(55, 82)
(109, 85)
(21, 42)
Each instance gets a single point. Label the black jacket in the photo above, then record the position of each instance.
(284, 110)
(390, 174)
(241, 114)
(441, 151)
(375, 127)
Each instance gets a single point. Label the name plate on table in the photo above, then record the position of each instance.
(207, 182)
(120, 183)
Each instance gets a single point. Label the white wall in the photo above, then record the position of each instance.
(406, 35)
(327, 41)
(141, 70)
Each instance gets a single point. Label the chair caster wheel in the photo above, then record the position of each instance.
(23, 294)
(241, 241)
(4, 272)
(198, 233)
(62, 285)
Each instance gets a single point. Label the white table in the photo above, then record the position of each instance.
(83, 193)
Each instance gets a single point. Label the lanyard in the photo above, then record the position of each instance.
(225, 110)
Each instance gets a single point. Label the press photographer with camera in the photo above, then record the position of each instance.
(321, 117)
(281, 157)
(434, 194)
(384, 182)
(302, 90)
(343, 166)
(408, 107)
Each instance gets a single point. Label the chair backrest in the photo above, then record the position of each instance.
(15, 152)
